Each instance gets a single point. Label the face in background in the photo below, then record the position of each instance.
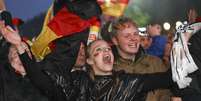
(154, 30)
(145, 41)
(81, 59)
(127, 41)
(15, 61)
(100, 58)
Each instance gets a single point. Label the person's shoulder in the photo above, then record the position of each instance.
(79, 74)
(160, 38)
(152, 57)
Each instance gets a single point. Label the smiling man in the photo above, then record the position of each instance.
(131, 57)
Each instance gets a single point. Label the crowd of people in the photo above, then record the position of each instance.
(70, 62)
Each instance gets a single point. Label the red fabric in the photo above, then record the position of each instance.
(52, 46)
(66, 23)
(25, 39)
(94, 21)
(198, 19)
(17, 21)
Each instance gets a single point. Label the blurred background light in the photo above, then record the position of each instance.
(166, 26)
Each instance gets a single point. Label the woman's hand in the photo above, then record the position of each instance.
(11, 35)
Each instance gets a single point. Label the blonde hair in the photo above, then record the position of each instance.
(120, 24)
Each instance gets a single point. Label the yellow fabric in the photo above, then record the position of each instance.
(40, 46)
(94, 29)
(93, 34)
(29, 42)
(112, 9)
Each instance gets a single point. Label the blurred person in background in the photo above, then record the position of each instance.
(145, 40)
(16, 86)
(158, 41)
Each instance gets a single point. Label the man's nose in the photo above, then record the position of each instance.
(133, 37)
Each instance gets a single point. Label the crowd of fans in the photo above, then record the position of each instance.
(118, 65)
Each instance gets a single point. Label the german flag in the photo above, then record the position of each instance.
(113, 7)
(63, 24)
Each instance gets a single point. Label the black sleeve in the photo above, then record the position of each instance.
(4, 49)
(195, 49)
(39, 78)
(58, 62)
(157, 80)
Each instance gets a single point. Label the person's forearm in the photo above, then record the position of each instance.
(21, 48)
(157, 80)
(36, 75)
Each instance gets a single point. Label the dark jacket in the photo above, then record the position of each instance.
(61, 85)
(14, 87)
(193, 92)
(4, 48)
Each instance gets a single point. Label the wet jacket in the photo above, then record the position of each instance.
(54, 78)
(117, 87)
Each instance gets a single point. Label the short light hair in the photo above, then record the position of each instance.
(120, 24)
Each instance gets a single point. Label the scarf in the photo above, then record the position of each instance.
(181, 60)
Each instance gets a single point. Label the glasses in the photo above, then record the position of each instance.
(103, 49)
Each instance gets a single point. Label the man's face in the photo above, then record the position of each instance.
(127, 41)
(101, 58)
(154, 29)
(145, 42)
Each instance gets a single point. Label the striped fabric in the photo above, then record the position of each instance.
(113, 7)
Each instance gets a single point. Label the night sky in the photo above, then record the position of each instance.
(160, 10)
(169, 10)
(26, 9)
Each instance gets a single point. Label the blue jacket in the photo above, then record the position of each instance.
(157, 47)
